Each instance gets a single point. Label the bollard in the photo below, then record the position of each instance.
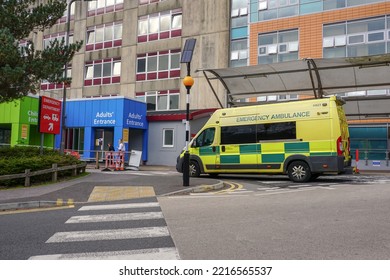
(97, 160)
(357, 161)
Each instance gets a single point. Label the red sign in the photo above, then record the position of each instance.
(49, 115)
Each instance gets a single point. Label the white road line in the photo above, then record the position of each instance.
(145, 254)
(272, 182)
(274, 189)
(205, 195)
(115, 217)
(268, 189)
(238, 192)
(119, 206)
(282, 192)
(298, 186)
(111, 234)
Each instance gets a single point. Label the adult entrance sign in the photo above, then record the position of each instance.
(49, 115)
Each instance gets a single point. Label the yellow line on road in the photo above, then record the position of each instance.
(35, 210)
(233, 187)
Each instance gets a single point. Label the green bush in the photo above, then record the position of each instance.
(16, 160)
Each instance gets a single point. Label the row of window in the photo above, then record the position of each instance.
(104, 36)
(278, 46)
(347, 39)
(100, 72)
(75, 138)
(98, 37)
(244, 134)
(104, 6)
(160, 100)
(47, 39)
(357, 38)
(262, 10)
(158, 65)
(160, 26)
(248, 134)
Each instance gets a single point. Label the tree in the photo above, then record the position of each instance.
(23, 68)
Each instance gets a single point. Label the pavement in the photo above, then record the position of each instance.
(99, 185)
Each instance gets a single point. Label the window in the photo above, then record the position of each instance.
(164, 100)
(238, 134)
(168, 136)
(205, 138)
(5, 136)
(104, 6)
(272, 9)
(74, 139)
(239, 53)
(159, 26)
(245, 134)
(145, 2)
(356, 38)
(49, 39)
(104, 36)
(100, 72)
(278, 46)
(46, 85)
(158, 65)
(276, 131)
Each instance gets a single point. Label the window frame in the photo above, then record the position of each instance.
(164, 144)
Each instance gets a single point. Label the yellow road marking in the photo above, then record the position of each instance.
(36, 210)
(110, 193)
(233, 187)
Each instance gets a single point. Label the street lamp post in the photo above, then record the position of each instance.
(63, 117)
(188, 82)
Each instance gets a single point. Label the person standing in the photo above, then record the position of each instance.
(110, 147)
(121, 147)
(121, 150)
(110, 155)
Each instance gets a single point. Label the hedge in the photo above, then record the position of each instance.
(16, 160)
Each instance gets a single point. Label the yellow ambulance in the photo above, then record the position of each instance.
(302, 139)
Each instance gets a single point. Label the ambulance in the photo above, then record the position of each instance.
(302, 139)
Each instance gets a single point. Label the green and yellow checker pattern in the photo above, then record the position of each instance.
(269, 156)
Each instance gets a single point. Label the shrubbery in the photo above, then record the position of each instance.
(16, 160)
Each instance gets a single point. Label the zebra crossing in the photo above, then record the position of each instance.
(133, 230)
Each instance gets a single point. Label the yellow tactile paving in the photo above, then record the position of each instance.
(108, 193)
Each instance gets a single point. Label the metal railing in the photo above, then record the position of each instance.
(366, 155)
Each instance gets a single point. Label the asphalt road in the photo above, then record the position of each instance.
(254, 217)
(345, 221)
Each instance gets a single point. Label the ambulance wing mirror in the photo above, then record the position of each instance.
(193, 144)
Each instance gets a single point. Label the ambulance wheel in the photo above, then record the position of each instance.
(299, 171)
(194, 169)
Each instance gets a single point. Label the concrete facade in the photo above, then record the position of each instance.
(205, 20)
(216, 25)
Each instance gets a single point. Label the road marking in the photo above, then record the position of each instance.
(109, 193)
(282, 192)
(272, 189)
(20, 211)
(111, 234)
(119, 206)
(272, 182)
(298, 186)
(145, 254)
(115, 217)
